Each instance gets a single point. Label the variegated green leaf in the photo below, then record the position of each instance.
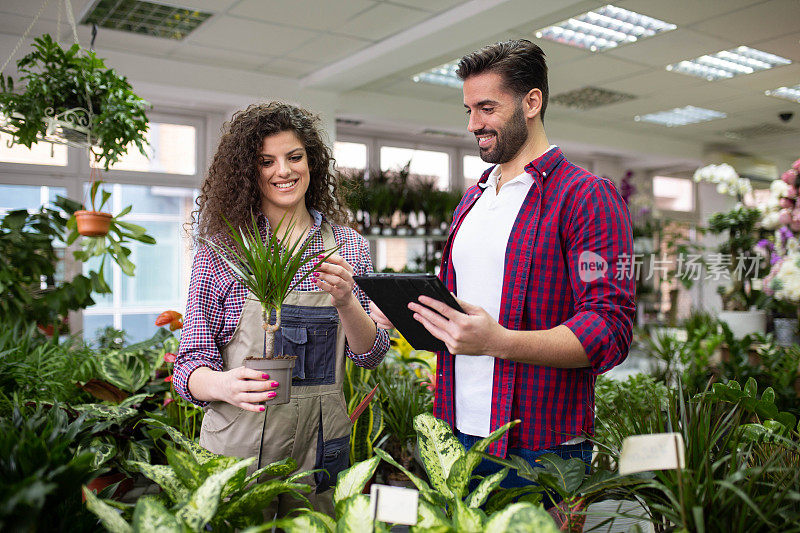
(485, 487)
(136, 399)
(280, 468)
(137, 451)
(151, 515)
(237, 510)
(187, 470)
(354, 479)
(309, 521)
(104, 448)
(128, 371)
(467, 519)
(200, 454)
(202, 505)
(110, 517)
(421, 484)
(354, 516)
(462, 468)
(521, 518)
(166, 478)
(428, 517)
(438, 448)
(300, 476)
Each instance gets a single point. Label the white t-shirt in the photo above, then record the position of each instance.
(479, 258)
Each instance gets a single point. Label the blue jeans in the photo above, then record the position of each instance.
(582, 451)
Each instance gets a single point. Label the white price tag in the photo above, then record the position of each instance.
(659, 451)
(396, 505)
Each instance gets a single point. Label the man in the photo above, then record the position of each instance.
(531, 256)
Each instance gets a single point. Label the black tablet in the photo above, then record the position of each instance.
(392, 293)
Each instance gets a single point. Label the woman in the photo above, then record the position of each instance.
(272, 161)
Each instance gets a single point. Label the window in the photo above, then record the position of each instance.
(28, 197)
(162, 269)
(350, 156)
(42, 153)
(172, 149)
(423, 163)
(474, 167)
(673, 194)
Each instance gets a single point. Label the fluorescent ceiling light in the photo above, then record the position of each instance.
(680, 116)
(789, 93)
(604, 28)
(441, 75)
(147, 18)
(729, 63)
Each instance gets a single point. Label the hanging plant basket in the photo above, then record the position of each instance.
(93, 223)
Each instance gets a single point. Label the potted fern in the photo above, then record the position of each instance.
(267, 268)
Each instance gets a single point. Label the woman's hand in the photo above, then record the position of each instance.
(378, 317)
(335, 276)
(245, 388)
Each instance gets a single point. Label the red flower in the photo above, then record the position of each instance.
(169, 357)
(168, 379)
(173, 318)
(167, 401)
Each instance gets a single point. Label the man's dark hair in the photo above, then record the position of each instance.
(520, 62)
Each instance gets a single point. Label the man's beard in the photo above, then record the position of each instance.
(508, 140)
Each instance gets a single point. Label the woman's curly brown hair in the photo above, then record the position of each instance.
(231, 187)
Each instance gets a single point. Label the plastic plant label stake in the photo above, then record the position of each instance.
(659, 451)
(395, 505)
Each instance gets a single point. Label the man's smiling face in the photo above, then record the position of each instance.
(495, 117)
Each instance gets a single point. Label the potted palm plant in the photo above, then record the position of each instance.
(267, 268)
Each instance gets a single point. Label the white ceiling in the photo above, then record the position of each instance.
(365, 51)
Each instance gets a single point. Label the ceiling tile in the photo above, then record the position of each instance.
(684, 12)
(759, 82)
(220, 57)
(592, 70)
(249, 36)
(652, 83)
(434, 6)
(29, 8)
(787, 46)
(289, 68)
(209, 6)
(670, 47)
(310, 14)
(382, 21)
(776, 17)
(426, 91)
(327, 48)
(125, 42)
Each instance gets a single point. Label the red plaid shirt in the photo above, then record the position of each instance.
(568, 211)
(216, 300)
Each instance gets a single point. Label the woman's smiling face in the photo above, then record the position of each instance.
(285, 176)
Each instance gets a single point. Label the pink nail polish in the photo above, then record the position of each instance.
(273, 384)
(262, 408)
(271, 395)
(264, 376)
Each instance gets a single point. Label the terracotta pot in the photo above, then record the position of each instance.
(279, 370)
(101, 482)
(93, 223)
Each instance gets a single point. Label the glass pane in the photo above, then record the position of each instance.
(157, 278)
(139, 327)
(673, 194)
(350, 155)
(423, 163)
(42, 153)
(155, 200)
(94, 324)
(474, 167)
(172, 149)
(20, 197)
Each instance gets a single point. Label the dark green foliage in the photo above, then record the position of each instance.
(41, 473)
(74, 78)
(28, 256)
